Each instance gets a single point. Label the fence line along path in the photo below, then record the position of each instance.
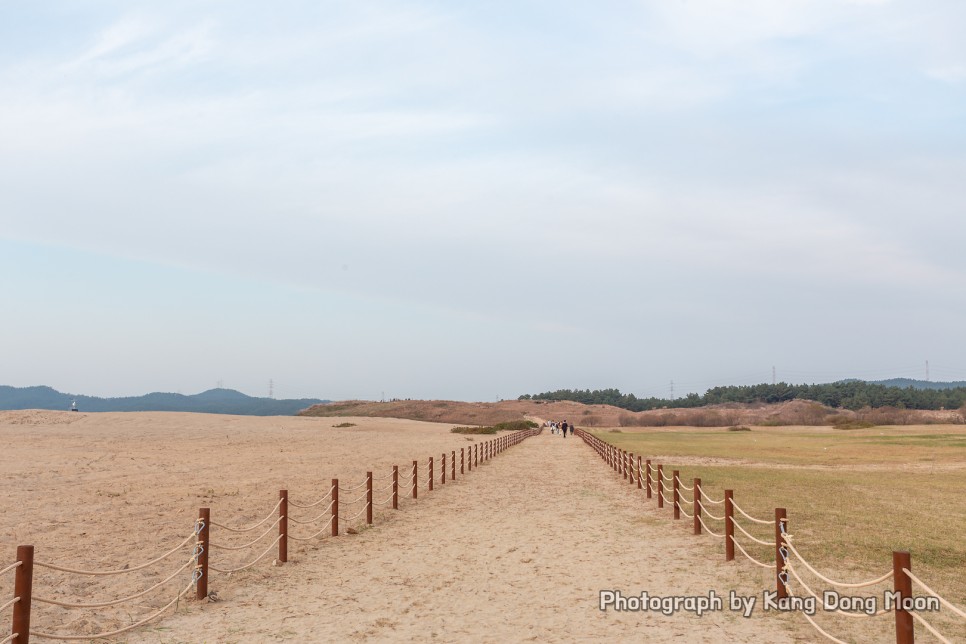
(518, 549)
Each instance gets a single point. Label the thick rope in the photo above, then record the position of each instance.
(114, 602)
(812, 621)
(871, 582)
(123, 570)
(12, 566)
(838, 611)
(932, 592)
(312, 505)
(929, 627)
(327, 510)
(701, 505)
(764, 543)
(251, 527)
(9, 604)
(10, 638)
(709, 499)
(689, 488)
(353, 488)
(96, 636)
(387, 487)
(752, 559)
(364, 495)
(709, 530)
(668, 479)
(250, 543)
(309, 538)
(685, 512)
(666, 500)
(255, 561)
(356, 515)
(388, 500)
(748, 516)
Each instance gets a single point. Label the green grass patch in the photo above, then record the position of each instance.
(345, 425)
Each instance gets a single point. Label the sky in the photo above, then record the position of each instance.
(474, 201)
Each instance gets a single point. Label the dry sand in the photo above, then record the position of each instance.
(517, 550)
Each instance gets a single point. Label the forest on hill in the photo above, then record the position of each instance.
(851, 394)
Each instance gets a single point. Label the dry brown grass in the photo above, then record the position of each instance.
(852, 496)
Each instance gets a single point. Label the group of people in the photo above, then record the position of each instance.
(559, 428)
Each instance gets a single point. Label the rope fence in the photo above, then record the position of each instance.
(908, 609)
(195, 570)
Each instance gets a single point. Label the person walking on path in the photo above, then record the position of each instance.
(563, 426)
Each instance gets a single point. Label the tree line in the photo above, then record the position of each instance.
(852, 394)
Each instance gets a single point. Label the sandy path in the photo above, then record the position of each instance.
(515, 551)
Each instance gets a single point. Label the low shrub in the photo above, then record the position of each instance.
(473, 430)
(853, 424)
(345, 425)
(739, 428)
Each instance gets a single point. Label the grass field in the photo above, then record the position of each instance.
(852, 496)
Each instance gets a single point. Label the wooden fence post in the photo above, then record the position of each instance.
(431, 474)
(639, 473)
(697, 506)
(902, 584)
(443, 477)
(647, 471)
(630, 468)
(780, 575)
(677, 493)
(660, 485)
(452, 467)
(335, 507)
(368, 498)
(204, 518)
(283, 526)
(23, 588)
(415, 479)
(395, 487)
(462, 461)
(729, 525)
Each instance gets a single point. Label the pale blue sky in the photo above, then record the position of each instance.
(479, 200)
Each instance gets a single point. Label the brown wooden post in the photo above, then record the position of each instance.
(430, 473)
(780, 575)
(443, 473)
(23, 588)
(283, 526)
(476, 455)
(368, 498)
(335, 507)
(660, 485)
(902, 584)
(697, 506)
(647, 471)
(415, 479)
(729, 525)
(624, 463)
(630, 468)
(677, 493)
(395, 487)
(452, 467)
(462, 461)
(204, 520)
(639, 484)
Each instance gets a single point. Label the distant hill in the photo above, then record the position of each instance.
(905, 383)
(213, 401)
